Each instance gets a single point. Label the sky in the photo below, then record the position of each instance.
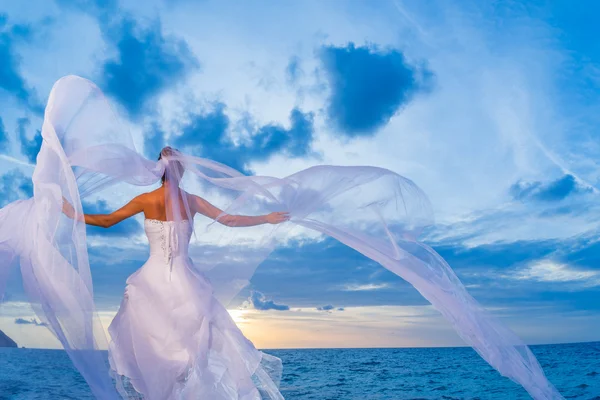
(490, 107)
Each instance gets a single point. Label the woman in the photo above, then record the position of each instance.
(172, 337)
(193, 339)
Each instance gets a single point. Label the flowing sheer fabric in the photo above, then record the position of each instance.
(372, 210)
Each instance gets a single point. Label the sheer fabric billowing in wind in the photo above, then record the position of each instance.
(372, 210)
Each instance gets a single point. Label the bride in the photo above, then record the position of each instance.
(173, 337)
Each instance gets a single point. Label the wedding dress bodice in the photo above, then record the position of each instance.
(168, 239)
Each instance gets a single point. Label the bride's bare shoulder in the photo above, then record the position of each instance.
(155, 192)
(159, 194)
(150, 196)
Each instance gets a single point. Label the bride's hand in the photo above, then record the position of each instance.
(278, 217)
(68, 209)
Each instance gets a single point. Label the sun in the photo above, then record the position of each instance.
(238, 315)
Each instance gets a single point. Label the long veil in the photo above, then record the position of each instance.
(372, 210)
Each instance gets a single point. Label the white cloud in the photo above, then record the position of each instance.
(550, 271)
(365, 287)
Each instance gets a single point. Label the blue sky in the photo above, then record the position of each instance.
(490, 108)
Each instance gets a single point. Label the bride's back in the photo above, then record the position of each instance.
(158, 204)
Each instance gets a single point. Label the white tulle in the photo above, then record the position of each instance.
(372, 210)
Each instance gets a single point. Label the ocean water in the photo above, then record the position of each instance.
(425, 373)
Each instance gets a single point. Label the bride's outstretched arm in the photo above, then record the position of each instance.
(205, 208)
(107, 220)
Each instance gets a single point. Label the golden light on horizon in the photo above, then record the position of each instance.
(366, 326)
(238, 315)
(372, 326)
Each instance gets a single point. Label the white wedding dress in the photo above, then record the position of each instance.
(172, 339)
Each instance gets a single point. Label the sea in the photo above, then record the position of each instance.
(343, 374)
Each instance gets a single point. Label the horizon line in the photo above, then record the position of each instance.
(355, 348)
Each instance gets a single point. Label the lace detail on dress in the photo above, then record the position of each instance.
(169, 239)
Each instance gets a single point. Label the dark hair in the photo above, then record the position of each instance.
(168, 151)
(164, 177)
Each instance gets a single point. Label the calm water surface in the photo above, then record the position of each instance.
(434, 373)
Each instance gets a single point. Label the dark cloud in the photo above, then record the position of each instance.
(313, 274)
(582, 252)
(29, 147)
(126, 228)
(310, 274)
(14, 185)
(327, 307)
(496, 256)
(494, 273)
(206, 134)
(11, 79)
(368, 86)
(553, 191)
(147, 63)
(32, 321)
(259, 302)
